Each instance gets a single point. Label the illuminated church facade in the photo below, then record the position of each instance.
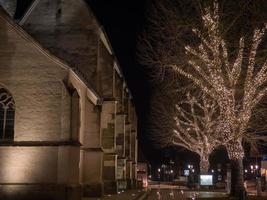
(68, 127)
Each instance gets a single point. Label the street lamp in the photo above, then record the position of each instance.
(159, 174)
(254, 169)
(191, 168)
(163, 166)
(190, 177)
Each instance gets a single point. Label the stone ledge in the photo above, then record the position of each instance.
(39, 143)
(40, 192)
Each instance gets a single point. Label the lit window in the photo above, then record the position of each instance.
(7, 115)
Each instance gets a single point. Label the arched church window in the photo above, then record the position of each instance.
(7, 115)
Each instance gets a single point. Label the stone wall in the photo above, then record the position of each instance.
(73, 125)
(42, 153)
(36, 83)
(68, 30)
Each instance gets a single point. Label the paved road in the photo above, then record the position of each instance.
(169, 194)
(128, 195)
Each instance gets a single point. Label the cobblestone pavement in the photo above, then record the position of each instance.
(169, 194)
(128, 195)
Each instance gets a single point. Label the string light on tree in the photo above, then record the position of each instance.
(195, 127)
(230, 75)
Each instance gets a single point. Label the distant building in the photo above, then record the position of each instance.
(142, 173)
(68, 127)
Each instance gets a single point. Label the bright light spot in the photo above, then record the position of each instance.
(246, 171)
(158, 169)
(212, 171)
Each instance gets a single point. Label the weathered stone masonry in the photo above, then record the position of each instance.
(75, 125)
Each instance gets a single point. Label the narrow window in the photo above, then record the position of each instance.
(7, 115)
(75, 115)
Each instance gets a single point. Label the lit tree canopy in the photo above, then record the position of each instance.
(229, 69)
(236, 81)
(195, 127)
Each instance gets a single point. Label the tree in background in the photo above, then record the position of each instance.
(184, 120)
(195, 127)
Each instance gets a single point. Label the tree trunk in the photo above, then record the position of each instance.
(236, 154)
(204, 164)
(237, 179)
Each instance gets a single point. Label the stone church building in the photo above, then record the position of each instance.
(68, 127)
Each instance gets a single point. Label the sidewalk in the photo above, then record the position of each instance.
(127, 195)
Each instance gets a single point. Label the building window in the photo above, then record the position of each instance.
(7, 115)
(75, 115)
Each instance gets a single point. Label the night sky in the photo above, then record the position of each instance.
(123, 21)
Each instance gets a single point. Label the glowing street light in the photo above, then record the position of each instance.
(190, 166)
(254, 169)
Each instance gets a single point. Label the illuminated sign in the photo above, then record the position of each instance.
(186, 172)
(206, 179)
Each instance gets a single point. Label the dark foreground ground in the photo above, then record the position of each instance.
(169, 192)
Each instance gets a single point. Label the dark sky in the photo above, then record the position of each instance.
(123, 21)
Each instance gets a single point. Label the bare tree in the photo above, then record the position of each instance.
(236, 81)
(181, 119)
(195, 128)
(160, 122)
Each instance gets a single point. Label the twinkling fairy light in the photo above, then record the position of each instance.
(195, 127)
(236, 81)
(207, 61)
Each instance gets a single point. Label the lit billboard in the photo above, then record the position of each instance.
(206, 179)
